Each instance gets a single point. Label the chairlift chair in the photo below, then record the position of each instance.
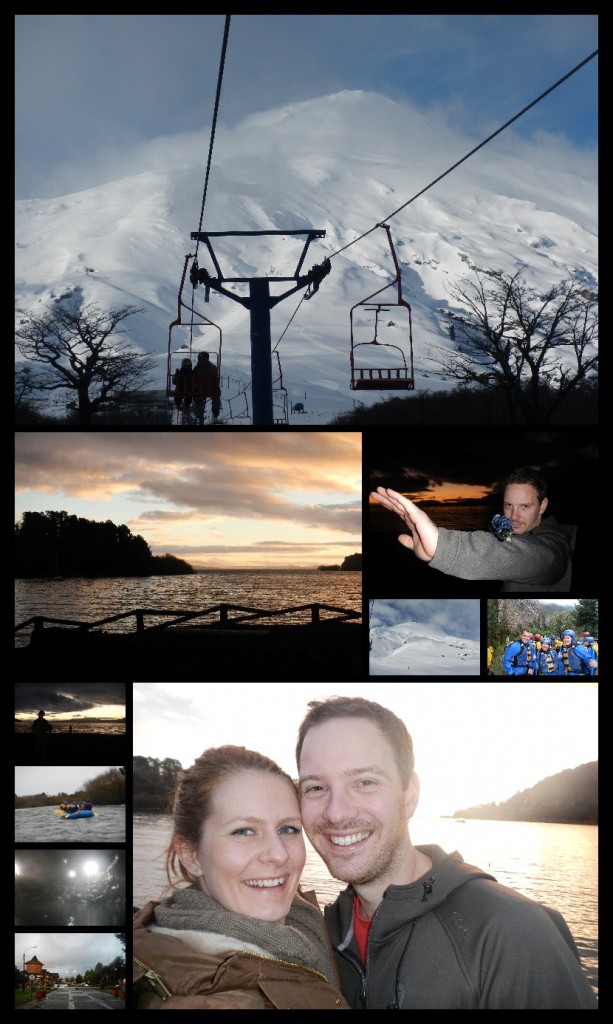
(182, 345)
(280, 399)
(389, 365)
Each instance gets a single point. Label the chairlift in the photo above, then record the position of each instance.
(280, 400)
(187, 338)
(389, 365)
(239, 408)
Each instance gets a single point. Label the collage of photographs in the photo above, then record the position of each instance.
(313, 583)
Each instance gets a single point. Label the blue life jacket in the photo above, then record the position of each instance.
(548, 663)
(574, 661)
(519, 656)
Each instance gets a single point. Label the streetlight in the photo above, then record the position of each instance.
(24, 965)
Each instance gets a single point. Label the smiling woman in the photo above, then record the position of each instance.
(237, 843)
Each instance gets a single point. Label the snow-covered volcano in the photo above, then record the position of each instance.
(341, 164)
(412, 649)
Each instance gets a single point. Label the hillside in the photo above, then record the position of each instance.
(412, 648)
(570, 797)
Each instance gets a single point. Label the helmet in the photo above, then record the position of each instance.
(588, 639)
(545, 640)
(537, 636)
(570, 633)
(586, 633)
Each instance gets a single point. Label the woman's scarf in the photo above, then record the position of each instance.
(301, 940)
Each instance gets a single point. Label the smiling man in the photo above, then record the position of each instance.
(536, 556)
(417, 928)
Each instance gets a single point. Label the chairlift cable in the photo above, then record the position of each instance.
(453, 167)
(475, 150)
(222, 62)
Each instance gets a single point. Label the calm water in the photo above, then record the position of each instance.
(90, 600)
(79, 728)
(552, 864)
(41, 825)
(452, 517)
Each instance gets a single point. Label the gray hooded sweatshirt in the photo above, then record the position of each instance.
(457, 940)
(535, 561)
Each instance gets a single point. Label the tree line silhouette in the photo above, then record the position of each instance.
(52, 544)
(153, 782)
(108, 788)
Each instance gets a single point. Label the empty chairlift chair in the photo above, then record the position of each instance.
(385, 363)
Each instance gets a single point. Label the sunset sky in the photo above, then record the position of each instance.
(218, 500)
(70, 701)
(465, 465)
(474, 742)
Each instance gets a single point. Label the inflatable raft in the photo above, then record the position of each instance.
(80, 814)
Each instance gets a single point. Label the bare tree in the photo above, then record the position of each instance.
(25, 386)
(80, 350)
(533, 349)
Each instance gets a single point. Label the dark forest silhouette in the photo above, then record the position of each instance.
(53, 544)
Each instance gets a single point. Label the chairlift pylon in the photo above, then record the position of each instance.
(389, 365)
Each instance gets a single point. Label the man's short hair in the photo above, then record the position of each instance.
(527, 475)
(393, 728)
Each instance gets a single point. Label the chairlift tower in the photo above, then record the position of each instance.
(259, 302)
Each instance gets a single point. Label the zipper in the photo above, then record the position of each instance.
(287, 963)
(154, 980)
(160, 988)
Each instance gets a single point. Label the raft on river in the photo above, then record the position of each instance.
(80, 814)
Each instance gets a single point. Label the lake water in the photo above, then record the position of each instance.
(41, 825)
(79, 728)
(552, 864)
(452, 517)
(90, 600)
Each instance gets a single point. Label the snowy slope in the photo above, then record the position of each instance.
(343, 164)
(411, 648)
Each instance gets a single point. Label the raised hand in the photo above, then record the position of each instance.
(423, 538)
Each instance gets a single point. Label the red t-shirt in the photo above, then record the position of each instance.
(361, 929)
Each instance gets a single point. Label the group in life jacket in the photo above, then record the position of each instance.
(547, 658)
(520, 657)
(74, 806)
(575, 659)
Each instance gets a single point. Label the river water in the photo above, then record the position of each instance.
(91, 600)
(41, 825)
(552, 864)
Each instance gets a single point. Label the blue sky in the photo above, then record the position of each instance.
(452, 617)
(93, 92)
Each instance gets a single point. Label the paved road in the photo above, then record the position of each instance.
(77, 999)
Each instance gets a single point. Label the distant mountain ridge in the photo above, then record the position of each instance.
(570, 797)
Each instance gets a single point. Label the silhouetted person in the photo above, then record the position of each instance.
(182, 380)
(41, 730)
(205, 385)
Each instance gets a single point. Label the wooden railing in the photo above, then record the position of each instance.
(176, 617)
